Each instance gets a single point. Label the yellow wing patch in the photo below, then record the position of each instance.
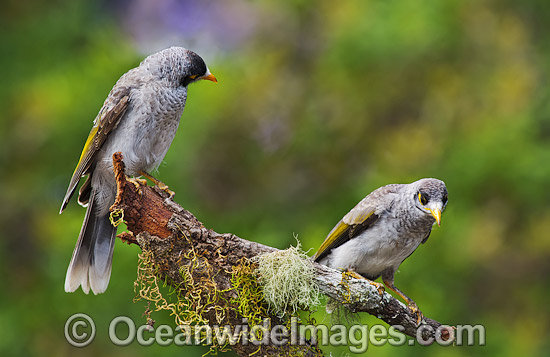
(334, 234)
(336, 237)
(89, 141)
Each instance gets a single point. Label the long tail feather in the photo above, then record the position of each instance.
(92, 258)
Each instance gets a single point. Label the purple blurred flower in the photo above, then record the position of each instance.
(204, 25)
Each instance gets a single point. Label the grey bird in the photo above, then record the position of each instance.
(382, 230)
(139, 118)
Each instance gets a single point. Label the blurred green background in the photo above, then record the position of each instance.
(318, 103)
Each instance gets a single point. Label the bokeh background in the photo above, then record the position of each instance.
(318, 103)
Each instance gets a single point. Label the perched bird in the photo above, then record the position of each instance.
(382, 230)
(139, 118)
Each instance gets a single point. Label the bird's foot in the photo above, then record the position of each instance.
(354, 275)
(158, 183)
(414, 309)
(380, 287)
(138, 183)
(165, 188)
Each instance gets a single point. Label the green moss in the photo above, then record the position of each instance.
(346, 275)
(281, 282)
(186, 300)
(250, 296)
(196, 293)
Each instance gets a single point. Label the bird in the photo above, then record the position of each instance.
(382, 230)
(139, 118)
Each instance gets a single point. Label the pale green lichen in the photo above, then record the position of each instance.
(287, 279)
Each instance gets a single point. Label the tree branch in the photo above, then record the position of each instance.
(175, 238)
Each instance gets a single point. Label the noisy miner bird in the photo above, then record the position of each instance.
(139, 118)
(382, 230)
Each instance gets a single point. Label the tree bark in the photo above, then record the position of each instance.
(169, 232)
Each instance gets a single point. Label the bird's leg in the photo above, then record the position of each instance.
(387, 278)
(159, 183)
(378, 286)
(410, 303)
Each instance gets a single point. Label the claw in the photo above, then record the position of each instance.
(414, 309)
(380, 287)
(165, 188)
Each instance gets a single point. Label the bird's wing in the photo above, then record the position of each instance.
(106, 121)
(360, 218)
(427, 236)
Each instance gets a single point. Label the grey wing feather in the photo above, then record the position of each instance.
(106, 121)
(365, 214)
(375, 202)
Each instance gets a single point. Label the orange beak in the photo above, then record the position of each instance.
(210, 77)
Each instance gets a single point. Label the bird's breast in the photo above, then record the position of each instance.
(146, 132)
(382, 246)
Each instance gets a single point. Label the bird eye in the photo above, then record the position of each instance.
(423, 198)
(444, 200)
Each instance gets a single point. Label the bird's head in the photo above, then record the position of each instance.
(430, 197)
(177, 67)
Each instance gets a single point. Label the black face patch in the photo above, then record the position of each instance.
(197, 65)
(196, 68)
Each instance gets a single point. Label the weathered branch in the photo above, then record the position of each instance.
(159, 225)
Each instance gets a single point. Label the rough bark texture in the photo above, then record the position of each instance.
(159, 225)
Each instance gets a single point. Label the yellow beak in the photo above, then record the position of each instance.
(437, 215)
(210, 77)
